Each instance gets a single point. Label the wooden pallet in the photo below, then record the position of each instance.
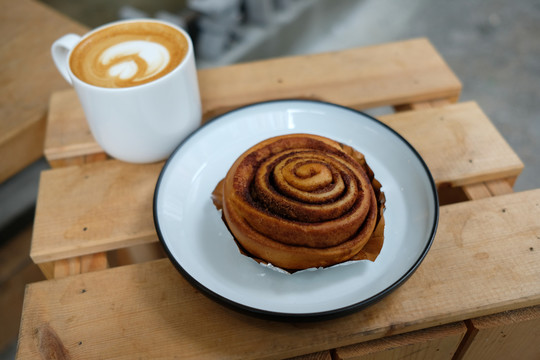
(484, 260)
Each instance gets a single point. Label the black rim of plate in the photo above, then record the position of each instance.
(314, 316)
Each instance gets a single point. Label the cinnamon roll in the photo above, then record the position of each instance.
(300, 201)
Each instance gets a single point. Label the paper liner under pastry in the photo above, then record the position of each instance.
(371, 249)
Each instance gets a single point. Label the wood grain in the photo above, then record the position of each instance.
(81, 264)
(110, 207)
(28, 76)
(472, 191)
(365, 77)
(506, 336)
(437, 343)
(380, 75)
(489, 188)
(113, 200)
(477, 191)
(458, 142)
(480, 264)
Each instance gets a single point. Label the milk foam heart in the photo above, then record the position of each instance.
(137, 60)
(128, 54)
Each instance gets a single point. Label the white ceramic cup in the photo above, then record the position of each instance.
(142, 123)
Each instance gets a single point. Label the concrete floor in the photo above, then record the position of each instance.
(492, 46)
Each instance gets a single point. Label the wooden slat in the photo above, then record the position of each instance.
(437, 343)
(98, 207)
(388, 74)
(489, 188)
(499, 187)
(28, 76)
(367, 77)
(458, 142)
(93, 262)
(113, 200)
(480, 264)
(99, 261)
(78, 265)
(473, 191)
(476, 191)
(510, 335)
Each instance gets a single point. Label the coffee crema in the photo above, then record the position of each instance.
(128, 54)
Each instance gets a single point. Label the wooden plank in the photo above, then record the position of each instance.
(480, 263)
(499, 187)
(78, 265)
(100, 261)
(388, 74)
(486, 338)
(21, 146)
(366, 77)
(100, 207)
(510, 335)
(437, 343)
(113, 200)
(477, 191)
(134, 254)
(449, 194)
(489, 188)
(458, 142)
(28, 76)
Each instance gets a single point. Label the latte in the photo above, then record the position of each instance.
(128, 54)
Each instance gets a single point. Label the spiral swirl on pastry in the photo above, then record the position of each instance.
(299, 201)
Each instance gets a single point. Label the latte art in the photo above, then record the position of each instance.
(136, 60)
(128, 54)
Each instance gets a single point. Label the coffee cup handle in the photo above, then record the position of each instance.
(60, 50)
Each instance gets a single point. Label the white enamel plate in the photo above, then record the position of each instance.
(200, 246)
